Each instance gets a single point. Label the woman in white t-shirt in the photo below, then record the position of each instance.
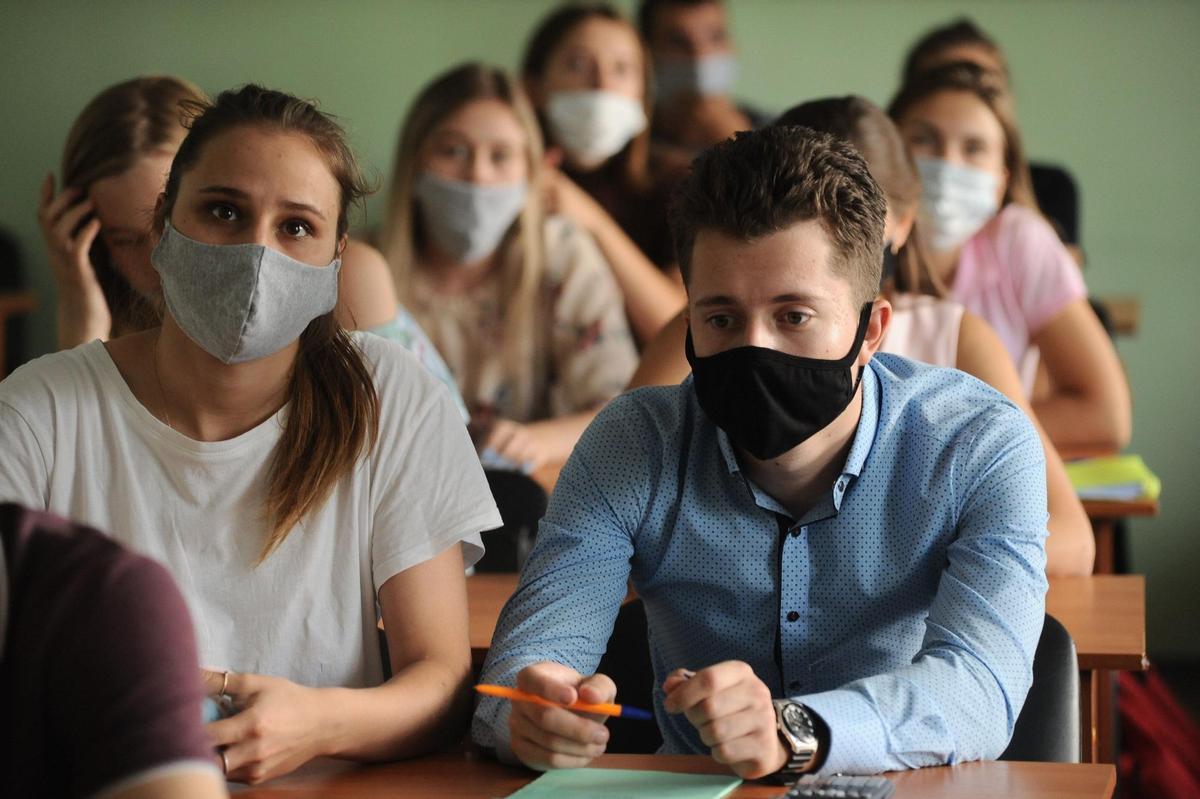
(292, 476)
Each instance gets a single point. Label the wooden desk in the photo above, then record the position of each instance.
(486, 595)
(1125, 312)
(1104, 515)
(465, 776)
(1106, 615)
(11, 305)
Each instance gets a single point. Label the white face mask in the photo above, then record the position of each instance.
(465, 220)
(956, 201)
(712, 75)
(240, 302)
(593, 126)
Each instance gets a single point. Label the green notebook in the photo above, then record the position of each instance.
(611, 783)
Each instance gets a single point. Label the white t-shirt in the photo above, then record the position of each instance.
(75, 440)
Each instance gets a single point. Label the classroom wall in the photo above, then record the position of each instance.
(1108, 88)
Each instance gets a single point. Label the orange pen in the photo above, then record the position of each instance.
(603, 709)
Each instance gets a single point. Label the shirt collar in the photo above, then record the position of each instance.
(864, 437)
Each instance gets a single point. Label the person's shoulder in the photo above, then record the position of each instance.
(938, 403)
(568, 248)
(395, 371)
(65, 553)
(1018, 227)
(59, 374)
(651, 415)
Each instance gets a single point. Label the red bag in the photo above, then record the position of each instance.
(1160, 744)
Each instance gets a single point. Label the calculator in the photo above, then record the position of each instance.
(839, 787)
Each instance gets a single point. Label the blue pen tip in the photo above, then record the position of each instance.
(636, 713)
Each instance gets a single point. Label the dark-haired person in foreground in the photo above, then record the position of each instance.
(841, 554)
(100, 687)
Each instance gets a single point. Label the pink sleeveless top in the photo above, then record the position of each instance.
(924, 329)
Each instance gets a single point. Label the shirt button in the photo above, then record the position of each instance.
(794, 685)
(841, 485)
(792, 615)
(796, 531)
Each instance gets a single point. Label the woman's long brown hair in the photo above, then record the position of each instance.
(633, 161)
(965, 76)
(333, 409)
(122, 124)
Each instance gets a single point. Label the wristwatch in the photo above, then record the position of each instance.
(798, 732)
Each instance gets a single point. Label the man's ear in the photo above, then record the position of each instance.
(903, 228)
(881, 317)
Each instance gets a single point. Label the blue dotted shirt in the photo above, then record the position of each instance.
(907, 603)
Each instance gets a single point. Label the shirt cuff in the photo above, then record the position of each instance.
(858, 742)
(490, 727)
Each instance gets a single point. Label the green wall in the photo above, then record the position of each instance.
(1107, 87)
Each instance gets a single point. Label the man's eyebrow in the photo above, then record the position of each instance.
(721, 299)
(718, 299)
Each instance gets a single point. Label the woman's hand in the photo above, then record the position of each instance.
(521, 444)
(83, 312)
(279, 725)
(563, 196)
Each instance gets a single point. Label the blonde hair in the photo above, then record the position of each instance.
(520, 254)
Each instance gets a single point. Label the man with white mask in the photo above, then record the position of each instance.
(695, 70)
(841, 553)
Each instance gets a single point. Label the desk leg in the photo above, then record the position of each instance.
(1106, 744)
(1087, 716)
(1105, 531)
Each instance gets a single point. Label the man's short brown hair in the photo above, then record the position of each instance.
(763, 181)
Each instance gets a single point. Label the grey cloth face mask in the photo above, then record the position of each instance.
(465, 220)
(712, 75)
(240, 302)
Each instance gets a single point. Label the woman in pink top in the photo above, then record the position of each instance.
(1002, 260)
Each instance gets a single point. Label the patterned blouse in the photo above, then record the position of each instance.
(583, 351)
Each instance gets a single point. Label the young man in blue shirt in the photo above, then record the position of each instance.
(841, 554)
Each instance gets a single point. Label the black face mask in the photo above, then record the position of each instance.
(769, 402)
(890, 259)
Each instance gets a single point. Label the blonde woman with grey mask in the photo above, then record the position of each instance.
(522, 304)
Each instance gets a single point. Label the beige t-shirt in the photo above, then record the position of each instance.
(583, 353)
(76, 441)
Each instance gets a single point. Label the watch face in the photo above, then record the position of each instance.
(797, 721)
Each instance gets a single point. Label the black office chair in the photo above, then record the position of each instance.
(1047, 730)
(522, 503)
(627, 660)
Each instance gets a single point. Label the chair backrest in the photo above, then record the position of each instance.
(627, 660)
(522, 503)
(1047, 730)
